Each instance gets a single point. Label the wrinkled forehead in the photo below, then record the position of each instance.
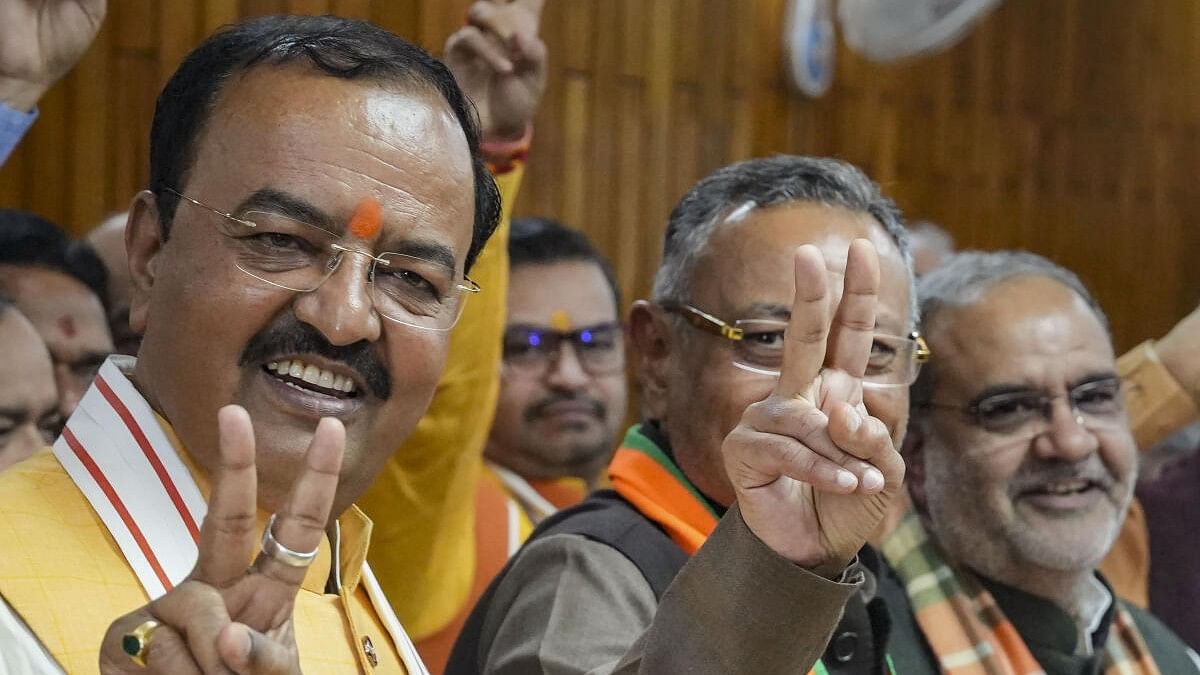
(1031, 331)
(336, 144)
(748, 263)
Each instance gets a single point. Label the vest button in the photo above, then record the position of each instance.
(844, 646)
(369, 650)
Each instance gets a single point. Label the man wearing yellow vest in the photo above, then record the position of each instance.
(317, 198)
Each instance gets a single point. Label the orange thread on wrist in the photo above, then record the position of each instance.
(367, 219)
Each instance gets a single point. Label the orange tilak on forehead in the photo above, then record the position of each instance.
(367, 219)
(560, 321)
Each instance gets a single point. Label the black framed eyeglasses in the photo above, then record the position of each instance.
(1097, 401)
(758, 346)
(599, 348)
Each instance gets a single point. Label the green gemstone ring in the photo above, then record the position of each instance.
(137, 642)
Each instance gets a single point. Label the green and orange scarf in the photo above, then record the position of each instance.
(965, 627)
(647, 478)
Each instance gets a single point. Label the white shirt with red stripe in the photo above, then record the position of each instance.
(117, 453)
(120, 457)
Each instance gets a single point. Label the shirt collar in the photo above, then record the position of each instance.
(1095, 608)
(353, 526)
(1041, 621)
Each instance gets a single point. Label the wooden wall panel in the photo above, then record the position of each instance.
(1068, 127)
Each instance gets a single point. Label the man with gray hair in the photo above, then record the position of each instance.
(1021, 469)
(784, 281)
(931, 246)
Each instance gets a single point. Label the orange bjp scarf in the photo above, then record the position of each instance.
(647, 478)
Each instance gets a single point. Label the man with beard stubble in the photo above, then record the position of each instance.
(1021, 469)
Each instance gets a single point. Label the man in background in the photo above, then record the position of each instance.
(29, 414)
(931, 246)
(108, 240)
(60, 286)
(562, 386)
(1021, 470)
(1127, 564)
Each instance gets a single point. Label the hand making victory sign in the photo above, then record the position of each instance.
(812, 470)
(500, 61)
(227, 617)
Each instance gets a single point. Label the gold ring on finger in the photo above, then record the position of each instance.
(136, 642)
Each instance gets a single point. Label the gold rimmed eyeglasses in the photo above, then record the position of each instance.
(758, 346)
(297, 256)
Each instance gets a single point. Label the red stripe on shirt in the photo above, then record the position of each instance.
(117, 504)
(135, 429)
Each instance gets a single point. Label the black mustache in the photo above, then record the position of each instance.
(539, 409)
(291, 336)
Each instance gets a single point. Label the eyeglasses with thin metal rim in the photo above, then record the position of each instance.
(598, 348)
(759, 344)
(1098, 402)
(297, 256)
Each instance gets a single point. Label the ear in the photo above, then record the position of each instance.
(913, 451)
(143, 243)
(650, 339)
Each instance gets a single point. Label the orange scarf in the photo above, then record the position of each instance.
(647, 478)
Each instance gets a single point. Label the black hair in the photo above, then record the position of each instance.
(29, 240)
(344, 48)
(541, 241)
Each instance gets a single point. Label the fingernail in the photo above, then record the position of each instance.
(872, 479)
(247, 642)
(845, 479)
(853, 419)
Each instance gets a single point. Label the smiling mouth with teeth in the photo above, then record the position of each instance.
(1064, 488)
(311, 378)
